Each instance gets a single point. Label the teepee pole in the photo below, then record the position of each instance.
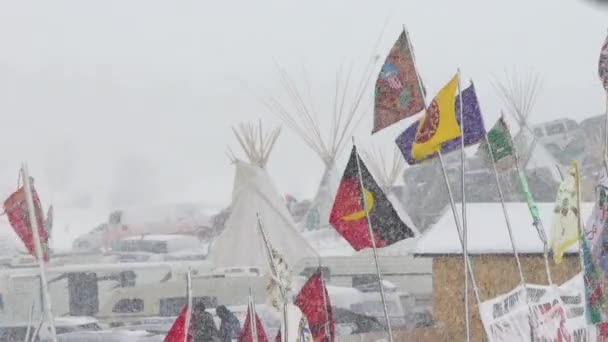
(38, 249)
(465, 250)
(373, 241)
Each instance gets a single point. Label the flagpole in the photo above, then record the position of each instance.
(465, 253)
(458, 228)
(327, 329)
(373, 241)
(189, 305)
(274, 270)
(252, 318)
(38, 248)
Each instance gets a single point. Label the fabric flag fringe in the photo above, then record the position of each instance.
(603, 65)
(565, 224)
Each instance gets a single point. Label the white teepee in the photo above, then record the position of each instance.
(519, 94)
(386, 172)
(300, 114)
(240, 244)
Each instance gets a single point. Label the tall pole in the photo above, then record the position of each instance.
(189, 305)
(38, 248)
(465, 253)
(252, 317)
(373, 241)
(458, 228)
(274, 270)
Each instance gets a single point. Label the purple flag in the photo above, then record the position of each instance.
(474, 129)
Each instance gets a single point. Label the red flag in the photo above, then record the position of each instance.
(15, 208)
(313, 300)
(176, 333)
(246, 331)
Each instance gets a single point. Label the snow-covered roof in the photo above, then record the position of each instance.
(487, 230)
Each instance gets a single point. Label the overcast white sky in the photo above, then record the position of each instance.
(123, 102)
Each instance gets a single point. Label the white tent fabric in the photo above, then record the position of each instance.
(317, 216)
(240, 244)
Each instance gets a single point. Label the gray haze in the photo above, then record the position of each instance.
(118, 103)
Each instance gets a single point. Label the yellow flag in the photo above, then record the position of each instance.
(438, 124)
(565, 226)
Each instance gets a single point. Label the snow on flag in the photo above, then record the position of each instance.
(247, 331)
(474, 130)
(16, 210)
(603, 65)
(398, 89)
(565, 226)
(313, 300)
(177, 333)
(349, 215)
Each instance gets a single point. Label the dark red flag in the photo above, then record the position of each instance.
(246, 335)
(349, 217)
(177, 333)
(314, 302)
(15, 208)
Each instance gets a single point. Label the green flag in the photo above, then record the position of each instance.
(529, 199)
(501, 144)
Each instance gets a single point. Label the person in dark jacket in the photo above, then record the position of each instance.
(203, 326)
(230, 328)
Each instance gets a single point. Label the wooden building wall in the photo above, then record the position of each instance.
(495, 275)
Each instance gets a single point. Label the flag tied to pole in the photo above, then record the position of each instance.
(474, 130)
(565, 224)
(246, 334)
(398, 92)
(350, 214)
(15, 207)
(313, 300)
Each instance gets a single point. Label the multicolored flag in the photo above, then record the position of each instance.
(177, 333)
(594, 294)
(603, 64)
(313, 300)
(439, 123)
(501, 144)
(398, 88)
(565, 226)
(17, 212)
(474, 130)
(246, 332)
(353, 208)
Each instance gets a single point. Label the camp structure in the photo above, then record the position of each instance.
(491, 257)
(254, 195)
(327, 138)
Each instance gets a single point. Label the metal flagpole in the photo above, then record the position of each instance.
(189, 305)
(465, 253)
(373, 241)
(252, 318)
(458, 228)
(327, 329)
(38, 247)
(504, 210)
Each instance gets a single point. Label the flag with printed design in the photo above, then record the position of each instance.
(439, 123)
(398, 92)
(359, 200)
(474, 130)
(565, 226)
